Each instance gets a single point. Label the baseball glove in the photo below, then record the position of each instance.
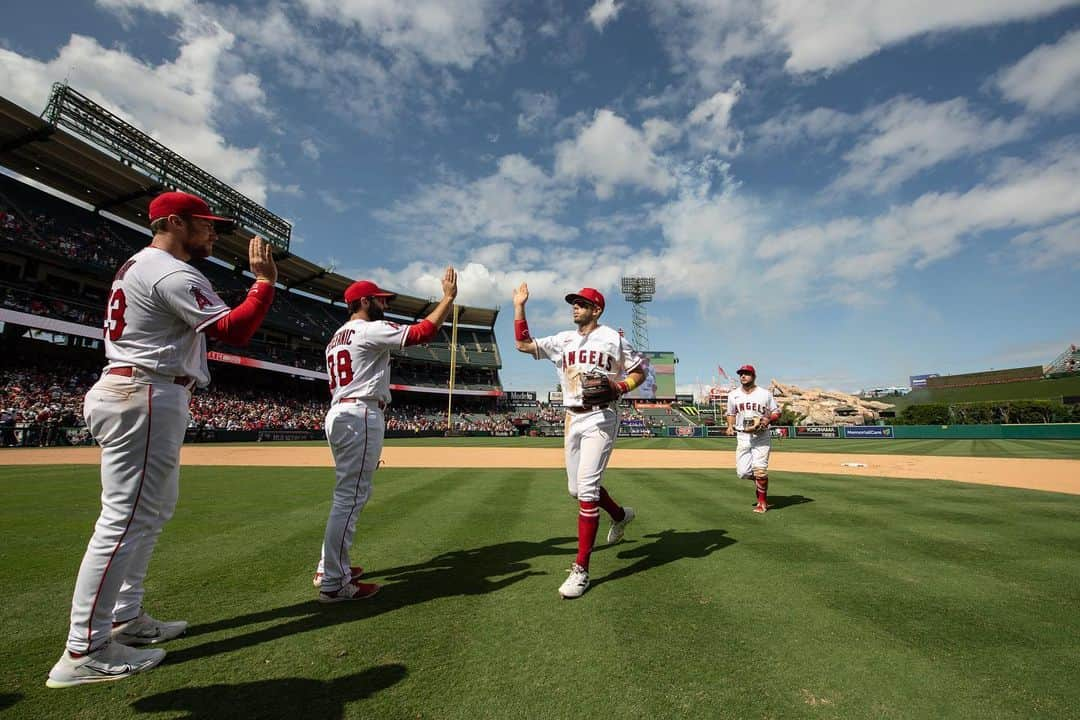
(596, 389)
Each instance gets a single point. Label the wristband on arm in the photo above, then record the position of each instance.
(521, 331)
(627, 385)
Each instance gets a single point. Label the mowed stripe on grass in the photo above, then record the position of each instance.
(853, 598)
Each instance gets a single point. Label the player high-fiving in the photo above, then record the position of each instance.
(358, 364)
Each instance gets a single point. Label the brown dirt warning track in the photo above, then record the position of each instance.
(1032, 474)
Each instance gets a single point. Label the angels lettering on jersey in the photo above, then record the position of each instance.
(744, 405)
(603, 350)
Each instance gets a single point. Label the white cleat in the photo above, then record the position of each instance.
(615, 533)
(111, 662)
(575, 585)
(145, 630)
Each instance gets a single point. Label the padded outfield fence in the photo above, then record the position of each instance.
(1049, 431)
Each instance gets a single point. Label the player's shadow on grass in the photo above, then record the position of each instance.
(476, 571)
(283, 698)
(9, 699)
(779, 502)
(669, 546)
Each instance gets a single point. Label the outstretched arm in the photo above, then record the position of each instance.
(427, 328)
(522, 339)
(237, 327)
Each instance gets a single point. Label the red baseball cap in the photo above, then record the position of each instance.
(589, 295)
(366, 288)
(182, 203)
(747, 369)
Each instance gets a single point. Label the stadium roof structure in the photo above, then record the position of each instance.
(110, 182)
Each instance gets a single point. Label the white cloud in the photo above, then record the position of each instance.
(1048, 247)
(175, 101)
(704, 37)
(710, 122)
(602, 12)
(538, 110)
(906, 136)
(1048, 78)
(518, 201)
(830, 35)
(842, 258)
(441, 33)
(799, 127)
(608, 152)
(310, 149)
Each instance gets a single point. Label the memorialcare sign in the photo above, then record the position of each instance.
(876, 432)
(816, 431)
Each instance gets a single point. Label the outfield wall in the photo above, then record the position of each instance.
(1051, 431)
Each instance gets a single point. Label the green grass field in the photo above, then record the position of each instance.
(852, 599)
(1062, 449)
(1026, 390)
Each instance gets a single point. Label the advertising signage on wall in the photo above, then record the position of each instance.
(818, 431)
(513, 395)
(868, 431)
(919, 381)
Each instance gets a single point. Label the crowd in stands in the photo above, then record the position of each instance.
(32, 396)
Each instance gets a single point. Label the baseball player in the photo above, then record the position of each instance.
(358, 362)
(752, 409)
(158, 312)
(590, 351)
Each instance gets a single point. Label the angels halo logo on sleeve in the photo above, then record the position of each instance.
(200, 297)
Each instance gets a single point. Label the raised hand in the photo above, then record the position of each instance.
(261, 260)
(449, 283)
(521, 295)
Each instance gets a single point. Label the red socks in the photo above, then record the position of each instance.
(587, 524)
(611, 507)
(762, 484)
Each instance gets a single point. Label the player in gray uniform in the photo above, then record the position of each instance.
(158, 312)
(590, 430)
(358, 362)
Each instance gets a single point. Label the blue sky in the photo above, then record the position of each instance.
(842, 193)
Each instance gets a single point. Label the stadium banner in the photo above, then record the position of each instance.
(919, 381)
(685, 431)
(659, 377)
(51, 324)
(780, 432)
(285, 435)
(817, 431)
(443, 391)
(264, 365)
(520, 396)
(684, 399)
(555, 397)
(877, 432)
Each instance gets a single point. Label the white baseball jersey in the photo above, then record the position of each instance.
(358, 358)
(157, 309)
(574, 354)
(754, 404)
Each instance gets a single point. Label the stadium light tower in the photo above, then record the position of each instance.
(638, 291)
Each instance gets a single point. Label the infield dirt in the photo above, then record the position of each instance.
(1033, 474)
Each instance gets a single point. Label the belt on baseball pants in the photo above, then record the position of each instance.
(129, 371)
(586, 408)
(380, 403)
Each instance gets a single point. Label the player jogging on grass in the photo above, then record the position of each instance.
(752, 409)
(158, 314)
(358, 362)
(592, 352)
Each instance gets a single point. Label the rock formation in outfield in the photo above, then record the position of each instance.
(825, 407)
